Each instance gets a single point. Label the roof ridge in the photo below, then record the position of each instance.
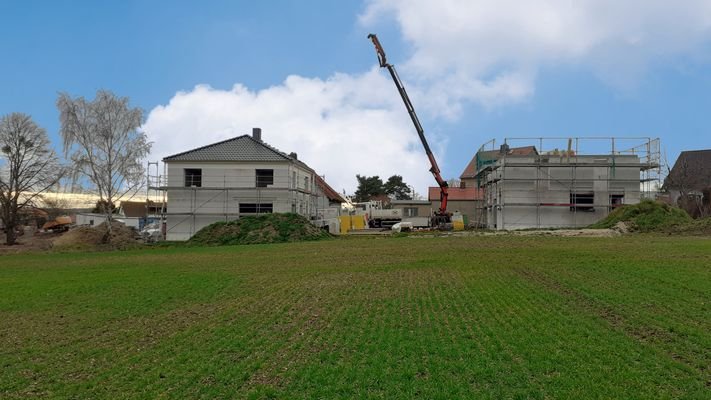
(270, 147)
(205, 146)
(238, 141)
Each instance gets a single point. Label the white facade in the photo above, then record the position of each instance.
(94, 219)
(539, 191)
(201, 193)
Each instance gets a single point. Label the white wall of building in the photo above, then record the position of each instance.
(520, 195)
(226, 185)
(94, 219)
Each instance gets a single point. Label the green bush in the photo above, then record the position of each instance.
(267, 228)
(647, 216)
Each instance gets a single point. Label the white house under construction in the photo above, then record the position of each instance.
(538, 186)
(237, 177)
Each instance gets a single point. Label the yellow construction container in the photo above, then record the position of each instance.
(458, 222)
(350, 222)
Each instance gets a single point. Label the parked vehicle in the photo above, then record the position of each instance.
(378, 216)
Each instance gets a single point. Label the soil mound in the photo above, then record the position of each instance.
(647, 216)
(268, 228)
(96, 238)
(700, 227)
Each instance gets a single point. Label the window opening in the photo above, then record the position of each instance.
(582, 202)
(265, 177)
(193, 177)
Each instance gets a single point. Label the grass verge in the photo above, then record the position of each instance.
(439, 318)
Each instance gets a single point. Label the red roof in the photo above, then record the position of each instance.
(470, 170)
(329, 191)
(456, 194)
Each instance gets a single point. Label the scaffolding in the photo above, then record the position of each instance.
(234, 193)
(531, 186)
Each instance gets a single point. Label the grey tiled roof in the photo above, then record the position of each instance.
(691, 170)
(241, 148)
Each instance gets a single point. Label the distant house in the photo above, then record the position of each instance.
(237, 177)
(689, 182)
(134, 209)
(413, 208)
(690, 175)
(134, 214)
(328, 200)
(465, 200)
(144, 212)
(418, 212)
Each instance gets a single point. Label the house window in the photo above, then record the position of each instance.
(617, 200)
(293, 180)
(265, 177)
(582, 201)
(193, 177)
(255, 208)
(306, 183)
(410, 211)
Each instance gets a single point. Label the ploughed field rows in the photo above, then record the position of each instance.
(480, 317)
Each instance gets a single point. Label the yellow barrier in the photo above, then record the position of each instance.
(458, 222)
(350, 222)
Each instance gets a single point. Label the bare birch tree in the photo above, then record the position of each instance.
(103, 140)
(28, 167)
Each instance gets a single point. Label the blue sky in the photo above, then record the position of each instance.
(627, 73)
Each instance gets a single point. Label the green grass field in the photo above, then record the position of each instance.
(390, 318)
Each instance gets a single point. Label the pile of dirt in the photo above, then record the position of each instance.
(268, 228)
(32, 241)
(96, 238)
(700, 227)
(647, 216)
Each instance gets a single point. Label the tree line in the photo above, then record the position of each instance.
(373, 187)
(101, 142)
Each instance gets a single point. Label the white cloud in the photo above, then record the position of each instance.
(462, 51)
(341, 126)
(490, 51)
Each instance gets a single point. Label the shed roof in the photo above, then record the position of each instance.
(133, 208)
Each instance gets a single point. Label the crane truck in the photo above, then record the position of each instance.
(441, 217)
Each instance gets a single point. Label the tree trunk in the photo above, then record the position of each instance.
(10, 235)
(107, 236)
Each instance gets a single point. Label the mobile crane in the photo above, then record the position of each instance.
(441, 216)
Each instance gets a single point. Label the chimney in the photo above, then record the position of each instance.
(293, 155)
(257, 134)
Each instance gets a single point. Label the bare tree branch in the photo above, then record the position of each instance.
(28, 169)
(103, 140)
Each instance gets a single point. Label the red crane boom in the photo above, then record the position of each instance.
(442, 215)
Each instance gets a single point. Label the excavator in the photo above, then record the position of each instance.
(441, 218)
